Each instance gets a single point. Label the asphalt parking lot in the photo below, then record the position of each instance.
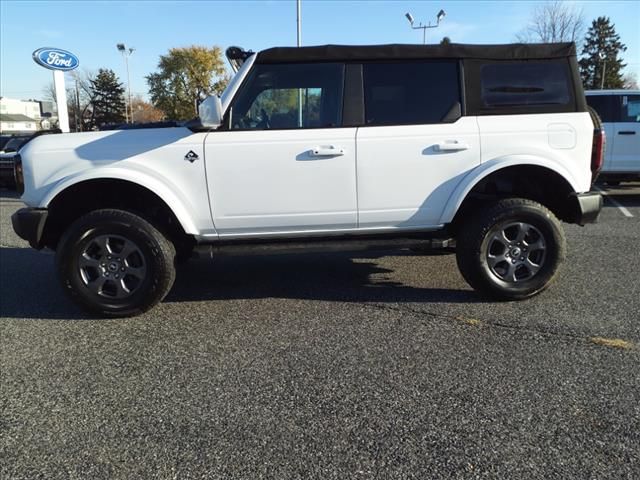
(329, 366)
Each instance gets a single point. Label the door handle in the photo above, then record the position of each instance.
(326, 151)
(627, 132)
(451, 146)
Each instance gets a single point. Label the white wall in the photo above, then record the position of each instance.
(12, 127)
(12, 106)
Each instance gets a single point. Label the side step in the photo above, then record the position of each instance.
(351, 244)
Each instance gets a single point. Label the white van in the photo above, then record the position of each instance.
(620, 114)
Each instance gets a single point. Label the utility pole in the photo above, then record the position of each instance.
(78, 121)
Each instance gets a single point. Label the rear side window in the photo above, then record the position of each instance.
(514, 84)
(630, 108)
(410, 93)
(604, 105)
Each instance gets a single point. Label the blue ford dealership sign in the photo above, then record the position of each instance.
(55, 59)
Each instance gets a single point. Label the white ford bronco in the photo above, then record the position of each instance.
(484, 148)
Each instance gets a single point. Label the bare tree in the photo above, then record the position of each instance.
(554, 21)
(79, 97)
(630, 81)
(49, 92)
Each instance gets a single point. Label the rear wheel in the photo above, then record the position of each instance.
(512, 249)
(115, 263)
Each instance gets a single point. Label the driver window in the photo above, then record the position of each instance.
(290, 96)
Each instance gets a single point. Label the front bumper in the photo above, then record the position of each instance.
(28, 223)
(588, 206)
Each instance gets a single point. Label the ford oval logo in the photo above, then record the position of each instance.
(55, 59)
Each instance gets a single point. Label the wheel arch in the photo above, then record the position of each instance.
(75, 197)
(545, 182)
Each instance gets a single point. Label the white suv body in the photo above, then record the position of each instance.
(331, 142)
(620, 114)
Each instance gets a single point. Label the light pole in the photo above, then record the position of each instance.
(126, 53)
(439, 17)
(298, 43)
(603, 57)
(299, 22)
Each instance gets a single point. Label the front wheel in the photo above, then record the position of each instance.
(115, 263)
(511, 250)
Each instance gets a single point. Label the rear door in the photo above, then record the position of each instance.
(414, 147)
(626, 146)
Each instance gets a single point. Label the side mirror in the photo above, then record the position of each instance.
(210, 112)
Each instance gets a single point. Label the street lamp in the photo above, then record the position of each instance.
(603, 57)
(126, 53)
(441, 14)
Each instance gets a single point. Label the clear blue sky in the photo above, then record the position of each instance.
(91, 29)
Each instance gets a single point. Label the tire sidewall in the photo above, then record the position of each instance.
(554, 254)
(80, 235)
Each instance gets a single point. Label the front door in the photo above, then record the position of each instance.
(284, 165)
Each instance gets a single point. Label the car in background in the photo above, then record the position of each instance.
(7, 175)
(3, 141)
(10, 146)
(14, 142)
(620, 114)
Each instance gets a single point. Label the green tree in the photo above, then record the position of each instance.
(601, 54)
(107, 99)
(184, 76)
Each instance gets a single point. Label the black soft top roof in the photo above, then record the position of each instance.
(327, 53)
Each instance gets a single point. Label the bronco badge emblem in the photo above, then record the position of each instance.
(191, 156)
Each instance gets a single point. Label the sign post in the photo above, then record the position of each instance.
(59, 61)
(61, 100)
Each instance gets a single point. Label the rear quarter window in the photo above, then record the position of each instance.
(507, 87)
(524, 83)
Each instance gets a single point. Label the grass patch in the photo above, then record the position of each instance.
(469, 321)
(611, 342)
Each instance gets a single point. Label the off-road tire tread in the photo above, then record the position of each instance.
(473, 231)
(164, 261)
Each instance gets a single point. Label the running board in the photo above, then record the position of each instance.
(326, 245)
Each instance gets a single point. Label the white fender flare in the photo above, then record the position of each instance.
(476, 175)
(137, 177)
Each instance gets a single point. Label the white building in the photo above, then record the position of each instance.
(19, 115)
(16, 123)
